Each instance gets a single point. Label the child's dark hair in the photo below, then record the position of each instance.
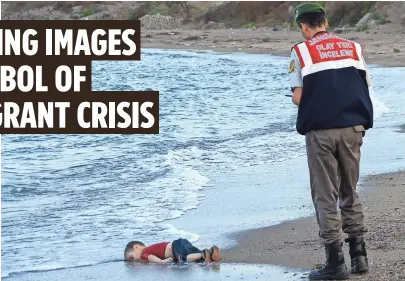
(313, 20)
(129, 247)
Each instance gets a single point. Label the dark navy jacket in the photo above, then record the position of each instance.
(335, 89)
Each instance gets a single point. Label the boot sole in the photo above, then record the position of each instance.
(340, 276)
(361, 266)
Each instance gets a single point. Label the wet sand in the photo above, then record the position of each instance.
(114, 271)
(294, 244)
(378, 44)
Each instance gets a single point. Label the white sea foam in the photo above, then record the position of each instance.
(379, 106)
(44, 267)
(182, 161)
(172, 231)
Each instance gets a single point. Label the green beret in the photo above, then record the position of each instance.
(306, 9)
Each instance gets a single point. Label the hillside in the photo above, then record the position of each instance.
(199, 15)
(255, 27)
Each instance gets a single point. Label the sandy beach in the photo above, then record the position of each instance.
(383, 46)
(294, 244)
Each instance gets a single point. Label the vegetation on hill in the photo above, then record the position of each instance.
(229, 14)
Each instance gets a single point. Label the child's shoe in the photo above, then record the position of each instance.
(206, 255)
(215, 254)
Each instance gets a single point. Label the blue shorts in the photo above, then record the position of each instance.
(182, 248)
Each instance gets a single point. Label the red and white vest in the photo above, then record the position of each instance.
(327, 51)
(335, 90)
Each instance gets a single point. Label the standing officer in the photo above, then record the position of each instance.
(330, 83)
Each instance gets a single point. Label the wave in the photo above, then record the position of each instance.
(192, 237)
(52, 267)
(379, 106)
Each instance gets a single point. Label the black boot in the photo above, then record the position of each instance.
(335, 267)
(358, 254)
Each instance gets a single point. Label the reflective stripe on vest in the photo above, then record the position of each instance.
(327, 51)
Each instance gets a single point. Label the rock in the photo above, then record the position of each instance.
(148, 36)
(317, 266)
(396, 50)
(91, 17)
(338, 30)
(168, 33)
(212, 25)
(105, 16)
(40, 13)
(99, 16)
(159, 22)
(290, 15)
(350, 29)
(345, 12)
(276, 28)
(368, 17)
(192, 38)
(77, 9)
(291, 10)
(338, 11)
(76, 12)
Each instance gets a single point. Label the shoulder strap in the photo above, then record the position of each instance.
(296, 45)
(299, 54)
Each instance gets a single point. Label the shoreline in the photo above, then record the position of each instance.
(378, 45)
(380, 62)
(295, 245)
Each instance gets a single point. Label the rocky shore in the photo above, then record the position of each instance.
(254, 27)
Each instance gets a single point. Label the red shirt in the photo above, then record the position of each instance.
(157, 250)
